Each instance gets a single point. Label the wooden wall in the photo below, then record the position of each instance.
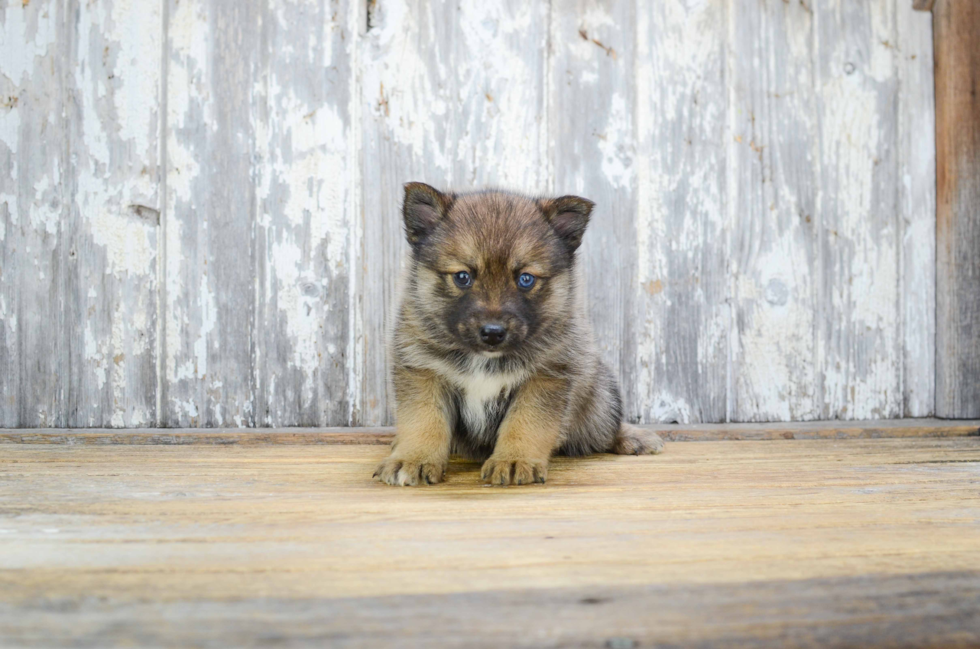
(957, 23)
(199, 199)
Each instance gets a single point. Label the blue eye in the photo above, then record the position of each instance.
(526, 280)
(463, 279)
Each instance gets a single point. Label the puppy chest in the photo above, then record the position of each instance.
(485, 398)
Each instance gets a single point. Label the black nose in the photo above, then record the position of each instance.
(493, 334)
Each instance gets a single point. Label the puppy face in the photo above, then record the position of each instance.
(492, 270)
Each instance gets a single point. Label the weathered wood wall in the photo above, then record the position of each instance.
(199, 199)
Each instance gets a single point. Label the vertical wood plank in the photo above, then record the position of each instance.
(501, 54)
(209, 317)
(304, 178)
(861, 340)
(682, 325)
(916, 181)
(593, 148)
(33, 215)
(776, 268)
(113, 58)
(408, 127)
(956, 24)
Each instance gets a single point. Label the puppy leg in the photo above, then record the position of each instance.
(528, 435)
(420, 452)
(631, 440)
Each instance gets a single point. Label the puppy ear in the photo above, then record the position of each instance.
(422, 210)
(568, 216)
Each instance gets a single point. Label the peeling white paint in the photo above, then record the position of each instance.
(126, 241)
(95, 354)
(45, 210)
(850, 121)
(209, 312)
(783, 220)
(355, 323)
(500, 99)
(409, 99)
(776, 338)
(8, 206)
(616, 144)
(302, 315)
(23, 37)
(174, 316)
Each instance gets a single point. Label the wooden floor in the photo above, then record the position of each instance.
(736, 543)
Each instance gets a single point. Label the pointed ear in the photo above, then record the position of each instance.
(568, 216)
(422, 210)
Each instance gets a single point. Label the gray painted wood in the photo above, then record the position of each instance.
(408, 107)
(199, 201)
(33, 163)
(917, 208)
(681, 290)
(860, 344)
(303, 171)
(593, 148)
(113, 213)
(501, 110)
(210, 305)
(777, 269)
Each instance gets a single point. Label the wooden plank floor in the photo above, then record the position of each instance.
(764, 543)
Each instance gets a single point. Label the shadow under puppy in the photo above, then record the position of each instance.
(492, 356)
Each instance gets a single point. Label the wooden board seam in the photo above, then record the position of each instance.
(836, 430)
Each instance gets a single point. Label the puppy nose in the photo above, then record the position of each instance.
(493, 334)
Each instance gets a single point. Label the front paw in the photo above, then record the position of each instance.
(407, 472)
(504, 471)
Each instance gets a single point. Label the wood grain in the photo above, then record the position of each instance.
(34, 209)
(921, 610)
(408, 122)
(958, 209)
(783, 543)
(112, 227)
(776, 262)
(858, 199)
(681, 292)
(342, 435)
(210, 306)
(593, 149)
(916, 176)
(304, 175)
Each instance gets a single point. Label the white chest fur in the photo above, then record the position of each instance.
(481, 392)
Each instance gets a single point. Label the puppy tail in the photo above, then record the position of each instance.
(631, 440)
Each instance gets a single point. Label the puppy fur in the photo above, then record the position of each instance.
(510, 403)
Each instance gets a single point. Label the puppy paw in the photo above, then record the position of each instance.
(637, 441)
(406, 472)
(503, 471)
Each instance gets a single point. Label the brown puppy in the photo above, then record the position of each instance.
(492, 355)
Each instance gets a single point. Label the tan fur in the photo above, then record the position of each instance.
(513, 402)
(420, 452)
(529, 434)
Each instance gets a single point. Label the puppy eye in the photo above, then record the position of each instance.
(463, 279)
(526, 280)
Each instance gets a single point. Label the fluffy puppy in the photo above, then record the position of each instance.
(492, 354)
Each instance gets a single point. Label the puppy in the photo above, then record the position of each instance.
(492, 354)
